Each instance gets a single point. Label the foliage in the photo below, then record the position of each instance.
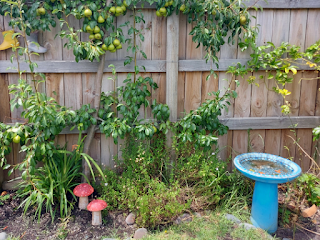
(281, 63)
(4, 198)
(29, 15)
(53, 182)
(158, 189)
(120, 112)
(309, 184)
(214, 21)
(138, 187)
(194, 126)
(145, 182)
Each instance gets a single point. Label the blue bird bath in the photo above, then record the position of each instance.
(268, 171)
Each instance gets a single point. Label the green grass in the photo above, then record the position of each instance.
(212, 226)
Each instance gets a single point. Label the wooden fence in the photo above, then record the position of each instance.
(178, 68)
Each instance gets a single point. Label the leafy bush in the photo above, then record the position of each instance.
(158, 189)
(53, 182)
(309, 184)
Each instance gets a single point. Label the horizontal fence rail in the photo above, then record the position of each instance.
(150, 66)
(253, 123)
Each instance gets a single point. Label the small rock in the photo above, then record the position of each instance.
(198, 215)
(183, 218)
(109, 239)
(247, 226)
(140, 233)
(309, 212)
(3, 236)
(286, 238)
(232, 218)
(130, 219)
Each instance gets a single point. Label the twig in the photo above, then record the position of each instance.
(313, 161)
(252, 5)
(23, 235)
(298, 225)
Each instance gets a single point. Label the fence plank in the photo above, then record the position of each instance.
(158, 52)
(279, 34)
(108, 149)
(298, 25)
(308, 92)
(193, 79)
(5, 113)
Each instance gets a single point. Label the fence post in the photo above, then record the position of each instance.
(172, 65)
(172, 71)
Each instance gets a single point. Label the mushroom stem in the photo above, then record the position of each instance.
(83, 202)
(96, 218)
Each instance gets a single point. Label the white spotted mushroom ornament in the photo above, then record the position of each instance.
(96, 206)
(82, 191)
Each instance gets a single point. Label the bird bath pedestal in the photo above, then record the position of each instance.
(268, 171)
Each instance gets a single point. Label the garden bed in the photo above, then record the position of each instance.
(78, 225)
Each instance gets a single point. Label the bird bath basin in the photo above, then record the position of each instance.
(268, 171)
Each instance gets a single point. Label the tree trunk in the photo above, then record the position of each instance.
(92, 128)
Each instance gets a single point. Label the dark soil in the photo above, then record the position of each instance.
(298, 228)
(77, 227)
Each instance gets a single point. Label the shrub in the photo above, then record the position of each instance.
(54, 182)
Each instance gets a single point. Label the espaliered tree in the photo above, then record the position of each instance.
(216, 22)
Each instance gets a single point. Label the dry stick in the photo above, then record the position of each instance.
(92, 128)
(298, 225)
(313, 161)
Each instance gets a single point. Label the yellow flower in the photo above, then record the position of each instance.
(284, 92)
(311, 64)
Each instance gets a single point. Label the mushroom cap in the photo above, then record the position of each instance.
(96, 205)
(83, 190)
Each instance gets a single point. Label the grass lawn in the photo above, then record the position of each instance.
(211, 226)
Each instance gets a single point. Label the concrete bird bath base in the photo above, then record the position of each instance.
(268, 171)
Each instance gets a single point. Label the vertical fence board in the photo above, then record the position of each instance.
(5, 113)
(193, 79)
(280, 33)
(308, 92)
(108, 149)
(182, 55)
(297, 32)
(158, 52)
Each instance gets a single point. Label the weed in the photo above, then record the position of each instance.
(4, 198)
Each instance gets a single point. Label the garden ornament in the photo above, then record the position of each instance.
(82, 191)
(33, 43)
(96, 206)
(9, 41)
(268, 171)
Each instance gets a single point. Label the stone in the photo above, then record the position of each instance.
(3, 236)
(198, 215)
(131, 219)
(140, 233)
(309, 212)
(109, 239)
(286, 238)
(247, 226)
(183, 218)
(232, 218)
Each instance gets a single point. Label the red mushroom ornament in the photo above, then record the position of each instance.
(96, 206)
(82, 191)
